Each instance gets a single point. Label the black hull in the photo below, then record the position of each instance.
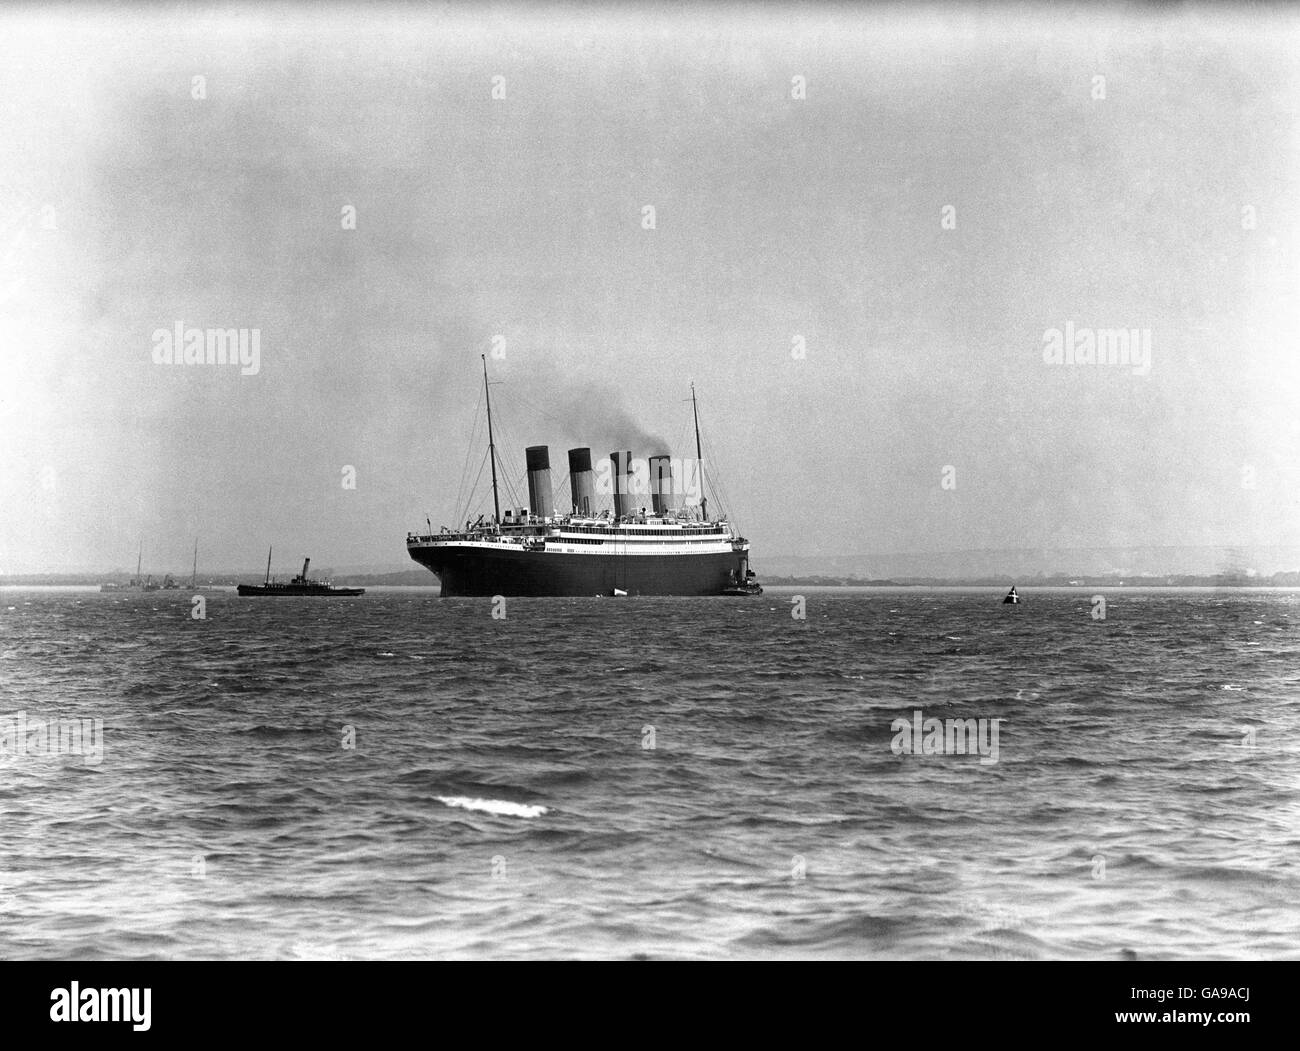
(479, 572)
(290, 591)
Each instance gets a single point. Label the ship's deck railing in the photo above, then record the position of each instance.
(623, 534)
(515, 531)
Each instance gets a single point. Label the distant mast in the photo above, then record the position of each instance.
(268, 565)
(194, 573)
(492, 449)
(139, 562)
(699, 458)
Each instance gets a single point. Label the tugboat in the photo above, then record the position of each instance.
(1012, 598)
(299, 585)
(749, 585)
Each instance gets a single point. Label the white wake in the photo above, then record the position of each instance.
(494, 806)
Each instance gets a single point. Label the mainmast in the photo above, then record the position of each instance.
(699, 458)
(492, 449)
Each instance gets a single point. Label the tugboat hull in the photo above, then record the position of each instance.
(291, 591)
(301, 585)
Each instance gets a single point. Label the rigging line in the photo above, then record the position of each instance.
(680, 443)
(540, 411)
(511, 470)
(513, 493)
(509, 466)
(724, 494)
(514, 398)
(469, 498)
(506, 448)
(709, 479)
(562, 489)
(511, 462)
(504, 463)
(469, 449)
(468, 509)
(714, 477)
(676, 450)
(463, 492)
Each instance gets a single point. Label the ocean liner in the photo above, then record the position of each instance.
(651, 542)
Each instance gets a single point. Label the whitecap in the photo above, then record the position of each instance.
(494, 806)
(1230, 686)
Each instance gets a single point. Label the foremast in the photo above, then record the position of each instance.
(492, 449)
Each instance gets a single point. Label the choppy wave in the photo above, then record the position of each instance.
(654, 778)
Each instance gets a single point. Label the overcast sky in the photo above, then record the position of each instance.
(1162, 198)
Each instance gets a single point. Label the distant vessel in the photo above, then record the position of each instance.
(299, 585)
(1012, 598)
(748, 586)
(666, 548)
(137, 583)
(194, 573)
